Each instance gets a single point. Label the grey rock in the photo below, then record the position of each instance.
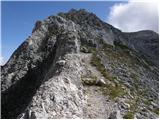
(144, 42)
(61, 62)
(100, 82)
(43, 77)
(115, 115)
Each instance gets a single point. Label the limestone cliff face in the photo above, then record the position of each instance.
(76, 66)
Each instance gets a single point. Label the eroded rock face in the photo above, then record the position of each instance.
(146, 43)
(44, 78)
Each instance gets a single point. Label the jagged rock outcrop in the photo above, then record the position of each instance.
(76, 66)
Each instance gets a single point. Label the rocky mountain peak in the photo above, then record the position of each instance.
(72, 61)
(80, 16)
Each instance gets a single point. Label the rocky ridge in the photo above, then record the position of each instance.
(76, 66)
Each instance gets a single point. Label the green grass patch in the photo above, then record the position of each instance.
(129, 115)
(95, 61)
(113, 91)
(156, 110)
(89, 80)
(116, 91)
(133, 108)
(118, 54)
(120, 45)
(136, 81)
(147, 102)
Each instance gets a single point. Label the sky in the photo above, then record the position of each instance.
(135, 16)
(18, 18)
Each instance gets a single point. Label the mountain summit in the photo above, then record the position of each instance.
(76, 66)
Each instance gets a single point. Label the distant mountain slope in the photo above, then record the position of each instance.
(76, 66)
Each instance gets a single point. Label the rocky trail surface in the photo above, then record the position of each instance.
(76, 66)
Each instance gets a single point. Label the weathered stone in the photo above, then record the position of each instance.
(100, 82)
(115, 115)
(34, 86)
(61, 62)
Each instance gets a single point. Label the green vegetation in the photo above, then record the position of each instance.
(143, 60)
(147, 102)
(118, 44)
(133, 108)
(113, 91)
(156, 110)
(136, 81)
(116, 91)
(107, 46)
(134, 76)
(89, 80)
(95, 61)
(129, 115)
(118, 54)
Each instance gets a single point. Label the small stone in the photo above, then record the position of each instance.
(154, 104)
(125, 105)
(61, 62)
(100, 82)
(150, 107)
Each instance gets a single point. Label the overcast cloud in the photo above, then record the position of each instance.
(134, 16)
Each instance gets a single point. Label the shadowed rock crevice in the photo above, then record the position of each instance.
(17, 98)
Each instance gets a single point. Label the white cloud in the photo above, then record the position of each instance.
(134, 16)
(2, 61)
